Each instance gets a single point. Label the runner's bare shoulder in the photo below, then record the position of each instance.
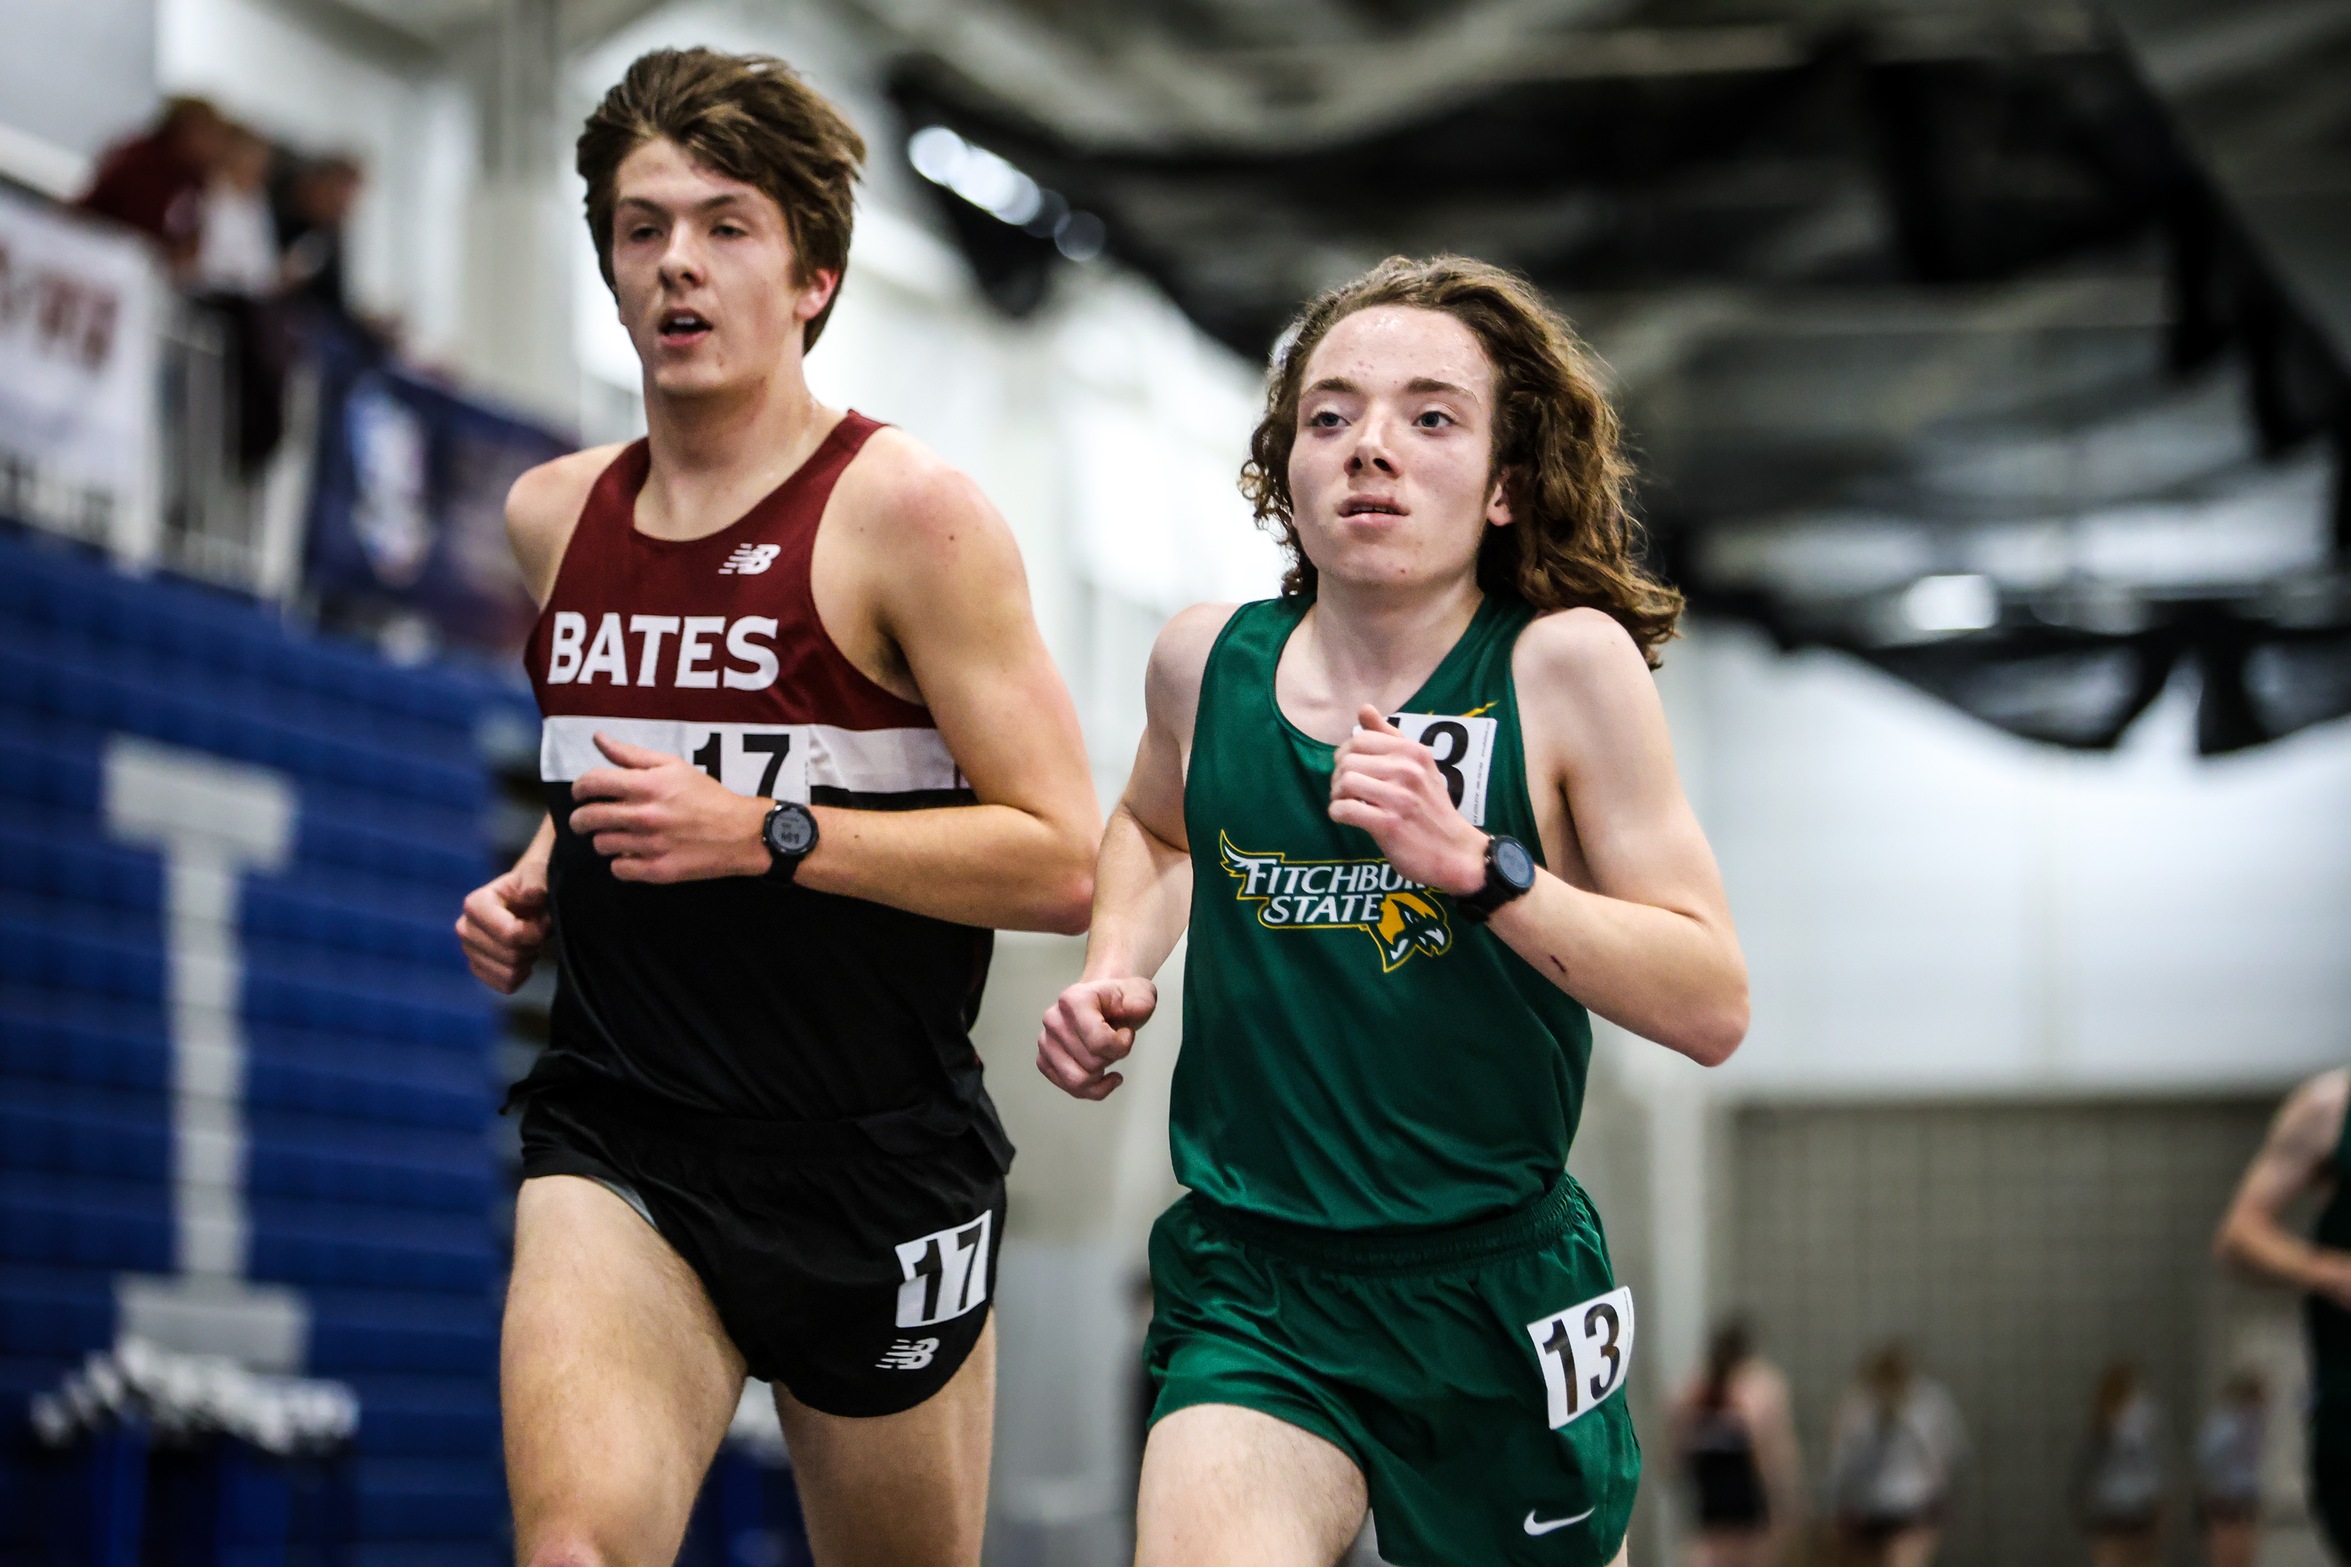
(1179, 657)
(899, 495)
(544, 506)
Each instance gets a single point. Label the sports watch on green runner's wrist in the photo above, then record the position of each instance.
(790, 835)
(1510, 873)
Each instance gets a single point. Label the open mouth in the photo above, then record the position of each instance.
(1369, 506)
(683, 326)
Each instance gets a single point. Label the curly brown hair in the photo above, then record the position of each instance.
(749, 117)
(1574, 540)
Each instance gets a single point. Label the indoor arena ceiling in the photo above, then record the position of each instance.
(2002, 346)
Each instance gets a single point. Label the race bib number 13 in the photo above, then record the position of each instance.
(1464, 748)
(1585, 1351)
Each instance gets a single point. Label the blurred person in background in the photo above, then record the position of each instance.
(1382, 1289)
(1894, 1452)
(1735, 1437)
(2119, 1488)
(313, 206)
(803, 750)
(2308, 1150)
(237, 272)
(156, 181)
(2229, 1453)
(238, 250)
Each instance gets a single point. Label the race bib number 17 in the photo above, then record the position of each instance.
(1585, 1351)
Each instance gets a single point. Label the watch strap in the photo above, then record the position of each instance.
(1479, 906)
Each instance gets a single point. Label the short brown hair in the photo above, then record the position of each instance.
(1574, 540)
(749, 117)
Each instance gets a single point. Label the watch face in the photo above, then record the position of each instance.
(1512, 862)
(790, 831)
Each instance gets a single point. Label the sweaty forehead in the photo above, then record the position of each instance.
(1386, 347)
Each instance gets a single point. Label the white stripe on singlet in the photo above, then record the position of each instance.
(780, 761)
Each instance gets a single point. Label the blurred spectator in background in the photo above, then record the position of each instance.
(2120, 1483)
(237, 272)
(1736, 1442)
(2305, 1152)
(237, 252)
(156, 181)
(2229, 1450)
(1895, 1450)
(313, 206)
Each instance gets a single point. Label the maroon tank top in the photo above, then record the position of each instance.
(739, 997)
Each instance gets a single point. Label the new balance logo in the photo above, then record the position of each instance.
(908, 1354)
(749, 560)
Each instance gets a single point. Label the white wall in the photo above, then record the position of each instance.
(319, 90)
(77, 77)
(1931, 906)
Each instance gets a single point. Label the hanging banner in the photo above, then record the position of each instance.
(80, 311)
(408, 505)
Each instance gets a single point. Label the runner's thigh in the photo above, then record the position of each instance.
(1225, 1486)
(616, 1378)
(902, 1490)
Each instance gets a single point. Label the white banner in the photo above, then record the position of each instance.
(80, 315)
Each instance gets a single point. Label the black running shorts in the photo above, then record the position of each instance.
(857, 1279)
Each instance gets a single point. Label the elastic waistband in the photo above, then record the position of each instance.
(1528, 1227)
(612, 1109)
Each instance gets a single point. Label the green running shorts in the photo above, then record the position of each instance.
(1475, 1375)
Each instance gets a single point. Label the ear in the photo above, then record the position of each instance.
(1498, 512)
(816, 293)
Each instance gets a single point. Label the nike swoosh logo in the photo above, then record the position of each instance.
(1536, 1525)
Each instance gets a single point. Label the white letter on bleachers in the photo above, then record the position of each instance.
(212, 820)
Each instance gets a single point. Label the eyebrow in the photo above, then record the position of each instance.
(712, 204)
(1421, 384)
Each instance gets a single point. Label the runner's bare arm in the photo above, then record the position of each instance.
(1649, 944)
(504, 921)
(1142, 879)
(2296, 1158)
(954, 603)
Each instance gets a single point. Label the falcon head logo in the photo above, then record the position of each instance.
(1410, 922)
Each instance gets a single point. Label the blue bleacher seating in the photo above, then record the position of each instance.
(368, 1090)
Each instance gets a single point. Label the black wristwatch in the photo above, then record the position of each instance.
(790, 835)
(1510, 873)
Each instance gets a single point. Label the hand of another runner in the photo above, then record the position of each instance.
(504, 924)
(659, 818)
(1390, 787)
(1091, 1029)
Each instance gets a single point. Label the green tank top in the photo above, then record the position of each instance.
(2330, 1324)
(1356, 1056)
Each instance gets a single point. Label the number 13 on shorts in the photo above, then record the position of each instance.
(1585, 1352)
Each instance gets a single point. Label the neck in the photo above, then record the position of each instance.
(1372, 640)
(712, 456)
(722, 432)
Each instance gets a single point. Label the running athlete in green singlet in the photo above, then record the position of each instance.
(1418, 814)
(2309, 1150)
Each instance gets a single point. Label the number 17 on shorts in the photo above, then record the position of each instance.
(1585, 1352)
(946, 1274)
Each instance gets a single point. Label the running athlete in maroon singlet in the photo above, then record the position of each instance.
(803, 749)
(712, 650)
